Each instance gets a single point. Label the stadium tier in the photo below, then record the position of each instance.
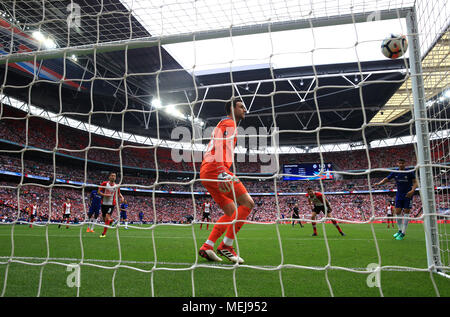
(73, 142)
(175, 209)
(350, 194)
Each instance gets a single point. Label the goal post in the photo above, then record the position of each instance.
(427, 186)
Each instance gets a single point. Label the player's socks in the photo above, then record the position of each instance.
(93, 225)
(399, 222)
(219, 228)
(207, 226)
(227, 241)
(405, 225)
(106, 228)
(337, 226)
(314, 228)
(243, 212)
(201, 226)
(126, 224)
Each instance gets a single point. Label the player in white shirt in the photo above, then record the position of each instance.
(108, 191)
(390, 213)
(206, 214)
(32, 214)
(67, 210)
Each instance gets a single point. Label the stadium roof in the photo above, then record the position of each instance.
(435, 65)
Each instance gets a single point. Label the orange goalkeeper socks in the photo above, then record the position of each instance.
(243, 212)
(219, 228)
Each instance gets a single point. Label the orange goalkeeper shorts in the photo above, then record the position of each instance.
(221, 198)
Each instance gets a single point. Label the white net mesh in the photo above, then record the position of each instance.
(137, 87)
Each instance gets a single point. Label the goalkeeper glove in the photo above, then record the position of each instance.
(225, 184)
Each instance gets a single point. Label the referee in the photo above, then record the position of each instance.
(295, 215)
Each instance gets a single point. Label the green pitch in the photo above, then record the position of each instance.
(264, 247)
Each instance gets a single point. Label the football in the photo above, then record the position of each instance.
(394, 46)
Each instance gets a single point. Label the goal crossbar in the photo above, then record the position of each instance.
(205, 35)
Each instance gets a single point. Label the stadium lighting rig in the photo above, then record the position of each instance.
(46, 41)
(171, 110)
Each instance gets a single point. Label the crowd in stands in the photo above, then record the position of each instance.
(93, 176)
(177, 208)
(41, 133)
(44, 134)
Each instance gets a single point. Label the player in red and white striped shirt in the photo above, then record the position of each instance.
(67, 210)
(206, 207)
(317, 202)
(32, 214)
(108, 191)
(390, 213)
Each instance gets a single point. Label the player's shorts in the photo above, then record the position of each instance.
(403, 202)
(319, 209)
(32, 217)
(66, 216)
(107, 210)
(93, 211)
(221, 198)
(294, 216)
(206, 215)
(123, 215)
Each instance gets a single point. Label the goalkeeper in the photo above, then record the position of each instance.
(224, 187)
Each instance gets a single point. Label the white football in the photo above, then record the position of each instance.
(394, 46)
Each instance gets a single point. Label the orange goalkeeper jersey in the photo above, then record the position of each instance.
(220, 150)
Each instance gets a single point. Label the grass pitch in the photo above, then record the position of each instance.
(280, 260)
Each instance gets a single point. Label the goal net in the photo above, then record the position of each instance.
(136, 88)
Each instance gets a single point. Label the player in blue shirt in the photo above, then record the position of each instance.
(141, 217)
(95, 202)
(123, 213)
(406, 187)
